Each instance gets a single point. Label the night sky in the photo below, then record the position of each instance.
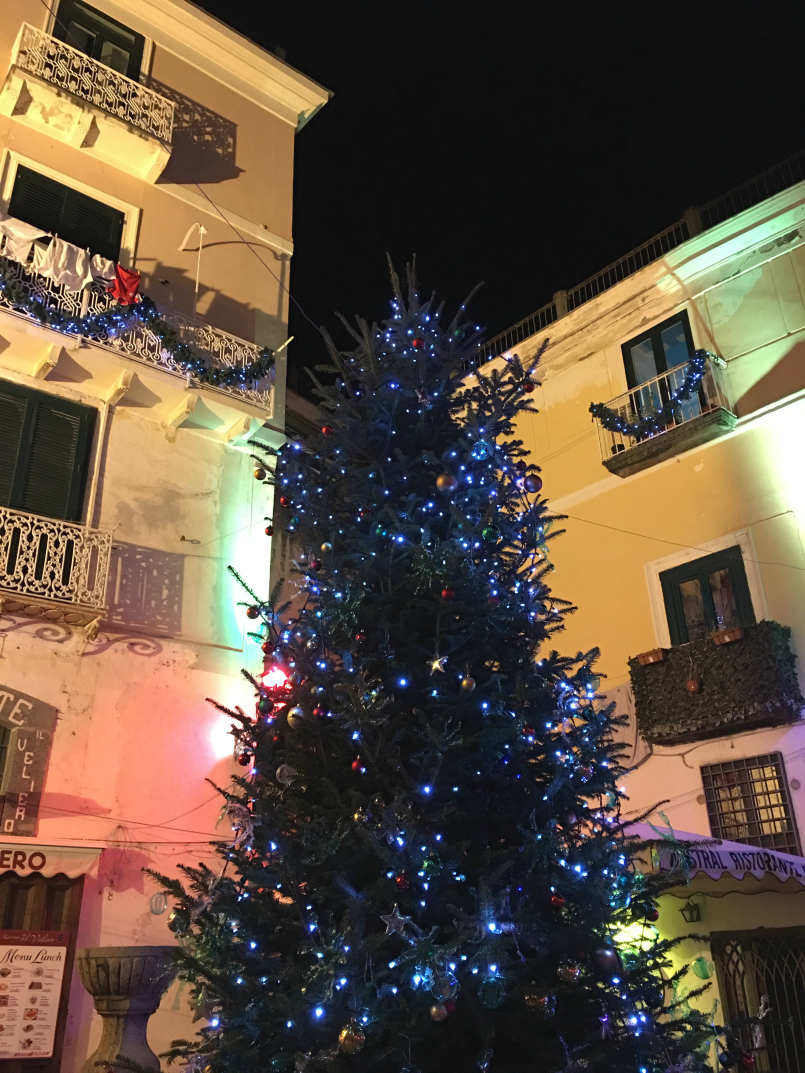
(522, 145)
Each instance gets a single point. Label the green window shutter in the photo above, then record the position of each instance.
(14, 415)
(51, 458)
(52, 206)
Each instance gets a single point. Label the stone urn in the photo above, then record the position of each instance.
(127, 983)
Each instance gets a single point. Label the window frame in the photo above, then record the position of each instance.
(779, 842)
(65, 11)
(131, 213)
(655, 335)
(670, 580)
(87, 419)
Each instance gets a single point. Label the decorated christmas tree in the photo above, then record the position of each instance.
(429, 870)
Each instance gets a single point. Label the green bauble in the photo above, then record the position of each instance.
(282, 1063)
(179, 920)
(492, 993)
(491, 533)
(431, 866)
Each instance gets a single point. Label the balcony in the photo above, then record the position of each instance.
(53, 570)
(60, 91)
(707, 689)
(704, 416)
(217, 346)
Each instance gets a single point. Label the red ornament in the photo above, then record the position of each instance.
(315, 564)
(357, 766)
(532, 483)
(529, 732)
(528, 387)
(450, 1006)
(268, 648)
(652, 914)
(269, 530)
(557, 901)
(327, 430)
(494, 600)
(748, 1061)
(447, 594)
(417, 343)
(402, 881)
(253, 612)
(285, 501)
(319, 713)
(244, 759)
(360, 637)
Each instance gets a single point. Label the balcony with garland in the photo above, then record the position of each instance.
(678, 410)
(66, 94)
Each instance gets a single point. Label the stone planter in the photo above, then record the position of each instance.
(127, 983)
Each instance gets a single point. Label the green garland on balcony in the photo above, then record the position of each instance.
(742, 685)
(119, 319)
(652, 421)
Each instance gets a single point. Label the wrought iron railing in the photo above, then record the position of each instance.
(53, 560)
(780, 177)
(651, 396)
(62, 65)
(214, 344)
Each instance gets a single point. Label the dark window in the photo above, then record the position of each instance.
(770, 962)
(99, 36)
(748, 801)
(707, 595)
(76, 218)
(45, 443)
(661, 348)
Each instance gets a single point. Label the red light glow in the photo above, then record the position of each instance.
(275, 678)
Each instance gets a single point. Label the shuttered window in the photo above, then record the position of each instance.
(45, 443)
(52, 206)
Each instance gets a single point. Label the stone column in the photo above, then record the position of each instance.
(127, 983)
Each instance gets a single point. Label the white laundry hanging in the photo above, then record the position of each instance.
(64, 263)
(18, 238)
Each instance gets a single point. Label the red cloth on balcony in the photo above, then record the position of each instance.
(125, 287)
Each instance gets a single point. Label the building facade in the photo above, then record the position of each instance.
(147, 149)
(683, 551)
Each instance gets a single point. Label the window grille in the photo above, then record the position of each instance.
(748, 801)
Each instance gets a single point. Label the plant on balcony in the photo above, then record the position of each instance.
(652, 421)
(428, 871)
(119, 319)
(750, 683)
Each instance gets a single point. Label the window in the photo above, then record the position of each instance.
(661, 348)
(45, 443)
(748, 801)
(707, 595)
(77, 218)
(99, 36)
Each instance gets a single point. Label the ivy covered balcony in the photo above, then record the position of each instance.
(676, 411)
(729, 682)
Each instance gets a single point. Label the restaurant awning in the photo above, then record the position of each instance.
(720, 867)
(25, 858)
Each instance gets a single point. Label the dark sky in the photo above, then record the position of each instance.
(525, 145)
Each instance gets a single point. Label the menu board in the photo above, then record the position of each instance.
(31, 973)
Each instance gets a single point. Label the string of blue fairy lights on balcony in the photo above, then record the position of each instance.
(118, 320)
(655, 420)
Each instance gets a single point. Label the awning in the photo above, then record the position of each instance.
(24, 858)
(719, 867)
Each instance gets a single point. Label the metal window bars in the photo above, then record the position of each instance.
(748, 801)
(74, 72)
(648, 397)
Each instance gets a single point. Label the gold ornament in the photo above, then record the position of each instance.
(259, 474)
(446, 482)
(351, 1038)
(326, 546)
(438, 1012)
(467, 684)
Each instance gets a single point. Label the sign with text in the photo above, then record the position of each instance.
(31, 974)
(32, 721)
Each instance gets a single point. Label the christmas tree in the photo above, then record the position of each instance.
(429, 872)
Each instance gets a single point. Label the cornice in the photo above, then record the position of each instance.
(213, 47)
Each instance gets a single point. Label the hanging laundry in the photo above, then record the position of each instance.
(125, 287)
(18, 238)
(102, 269)
(64, 263)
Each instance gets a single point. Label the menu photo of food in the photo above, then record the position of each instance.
(31, 974)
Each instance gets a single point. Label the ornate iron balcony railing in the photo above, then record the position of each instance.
(218, 346)
(74, 72)
(51, 560)
(649, 397)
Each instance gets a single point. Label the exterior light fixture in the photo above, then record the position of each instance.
(691, 912)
